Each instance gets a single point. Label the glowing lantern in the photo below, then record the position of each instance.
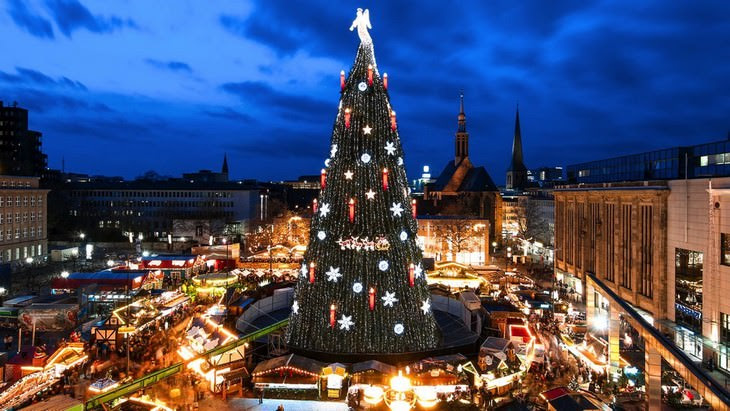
(385, 179)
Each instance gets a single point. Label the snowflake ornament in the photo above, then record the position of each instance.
(389, 299)
(396, 209)
(403, 236)
(400, 161)
(390, 148)
(333, 150)
(357, 288)
(370, 195)
(365, 158)
(327, 162)
(383, 265)
(295, 307)
(304, 270)
(398, 329)
(346, 322)
(333, 274)
(321, 235)
(426, 306)
(324, 210)
(418, 271)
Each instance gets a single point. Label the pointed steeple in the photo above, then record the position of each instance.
(462, 137)
(224, 169)
(517, 171)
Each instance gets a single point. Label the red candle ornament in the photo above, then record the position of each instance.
(385, 179)
(311, 272)
(371, 298)
(352, 210)
(314, 206)
(342, 80)
(385, 80)
(413, 208)
(370, 74)
(323, 179)
(392, 120)
(347, 117)
(332, 315)
(411, 277)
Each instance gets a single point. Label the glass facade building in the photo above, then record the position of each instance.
(702, 160)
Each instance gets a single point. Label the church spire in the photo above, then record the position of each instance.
(462, 137)
(517, 171)
(224, 169)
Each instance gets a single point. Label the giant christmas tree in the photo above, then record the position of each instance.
(361, 288)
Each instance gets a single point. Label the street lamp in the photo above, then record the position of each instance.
(225, 241)
(82, 236)
(29, 260)
(509, 255)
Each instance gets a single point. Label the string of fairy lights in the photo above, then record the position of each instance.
(361, 287)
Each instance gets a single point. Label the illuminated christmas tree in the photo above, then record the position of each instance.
(361, 287)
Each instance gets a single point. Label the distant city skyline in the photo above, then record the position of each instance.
(120, 90)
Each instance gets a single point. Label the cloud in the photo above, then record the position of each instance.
(228, 113)
(171, 65)
(44, 101)
(289, 106)
(30, 22)
(30, 76)
(71, 15)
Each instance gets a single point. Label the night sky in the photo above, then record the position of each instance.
(119, 88)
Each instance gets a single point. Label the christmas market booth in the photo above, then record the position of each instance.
(175, 267)
(289, 375)
(372, 372)
(214, 284)
(204, 333)
(455, 276)
(499, 365)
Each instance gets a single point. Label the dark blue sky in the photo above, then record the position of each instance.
(122, 87)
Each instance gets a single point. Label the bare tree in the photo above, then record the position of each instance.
(531, 225)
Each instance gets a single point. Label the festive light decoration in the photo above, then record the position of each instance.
(390, 148)
(323, 179)
(333, 274)
(426, 306)
(389, 299)
(352, 210)
(370, 74)
(321, 235)
(366, 144)
(324, 210)
(342, 80)
(380, 243)
(385, 81)
(413, 208)
(314, 206)
(345, 322)
(385, 180)
(418, 271)
(398, 329)
(304, 270)
(411, 278)
(333, 314)
(312, 267)
(295, 307)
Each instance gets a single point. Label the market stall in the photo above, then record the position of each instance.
(289, 372)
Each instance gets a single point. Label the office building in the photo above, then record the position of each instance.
(20, 148)
(23, 230)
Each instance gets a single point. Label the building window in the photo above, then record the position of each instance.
(724, 328)
(647, 251)
(688, 266)
(626, 260)
(725, 249)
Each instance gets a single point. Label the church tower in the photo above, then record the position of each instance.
(462, 137)
(517, 172)
(224, 169)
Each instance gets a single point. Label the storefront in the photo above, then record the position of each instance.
(570, 286)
